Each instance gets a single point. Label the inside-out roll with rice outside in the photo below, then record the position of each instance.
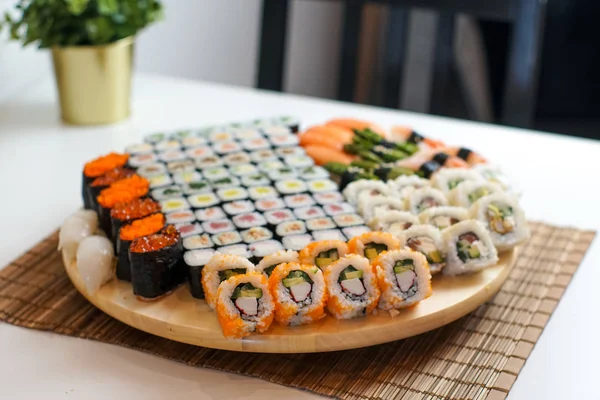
(468, 192)
(383, 220)
(352, 287)
(447, 179)
(421, 199)
(427, 240)
(220, 268)
(404, 278)
(244, 305)
(323, 253)
(269, 262)
(469, 248)
(444, 216)
(371, 244)
(353, 191)
(369, 205)
(504, 219)
(299, 293)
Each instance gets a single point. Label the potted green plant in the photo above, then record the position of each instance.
(92, 50)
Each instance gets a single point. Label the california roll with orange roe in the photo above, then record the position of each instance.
(121, 191)
(98, 167)
(157, 265)
(128, 233)
(123, 213)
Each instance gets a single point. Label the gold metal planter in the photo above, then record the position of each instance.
(94, 82)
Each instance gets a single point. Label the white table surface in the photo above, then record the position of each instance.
(40, 167)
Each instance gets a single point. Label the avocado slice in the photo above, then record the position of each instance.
(353, 274)
(403, 266)
(228, 273)
(372, 250)
(289, 282)
(370, 253)
(435, 257)
(474, 252)
(296, 277)
(246, 290)
(322, 262)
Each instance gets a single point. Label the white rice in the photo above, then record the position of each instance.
(210, 273)
(281, 256)
(354, 189)
(428, 231)
(416, 201)
(446, 179)
(368, 205)
(432, 215)
(454, 265)
(461, 195)
(382, 220)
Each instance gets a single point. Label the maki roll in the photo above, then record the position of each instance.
(290, 186)
(203, 200)
(269, 262)
(128, 233)
(123, 213)
(392, 220)
(171, 155)
(227, 182)
(404, 278)
(494, 174)
(271, 165)
(208, 162)
(305, 213)
(269, 204)
(404, 184)
(282, 173)
(262, 192)
(277, 130)
(157, 265)
(227, 238)
(468, 192)
(296, 242)
(238, 207)
(121, 191)
(323, 253)
(182, 177)
(290, 122)
(142, 159)
(339, 208)
(298, 200)
(421, 199)
(166, 192)
(293, 227)
(97, 168)
(198, 241)
(224, 147)
(220, 268)
(346, 220)
(249, 220)
(243, 134)
(354, 189)
(298, 161)
(329, 234)
(237, 159)
(256, 234)
(215, 173)
(255, 180)
(369, 205)
(470, 248)
(243, 169)
(284, 140)
(195, 187)
(192, 141)
(263, 155)
(151, 169)
(352, 231)
(314, 172)
(219, 136)
(322, 185)
(103, 182)
(232, 194)
(244, 305)
(140, 148)
(174, 204)
(371, 244)
(218, 226)
(290, 151)
(160, 180)
(504, 219)
(299, 293)
(167, 145)
(264, 248)
(210, 214)
(329, 198)
(447, 179)
(444, 216)
(317, 224)
(155, 138)
(352, 287)
(177, 167)
(275, 217)
(427, 240)
(189, 229)
(258, 143)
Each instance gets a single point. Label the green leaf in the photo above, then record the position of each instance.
(108, 7)
(100, 30)
(76, 7)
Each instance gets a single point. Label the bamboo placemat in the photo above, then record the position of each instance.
(476, 357)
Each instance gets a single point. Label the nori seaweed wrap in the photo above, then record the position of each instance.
(97, 168)
(123, 213)
(157, 265)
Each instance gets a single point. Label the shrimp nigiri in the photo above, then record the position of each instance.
(406, 134)
(466, 154)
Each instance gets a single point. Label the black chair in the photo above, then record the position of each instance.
(526, 17)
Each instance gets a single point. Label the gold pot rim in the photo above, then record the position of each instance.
(119, 43)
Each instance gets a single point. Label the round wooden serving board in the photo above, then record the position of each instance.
(182, 318)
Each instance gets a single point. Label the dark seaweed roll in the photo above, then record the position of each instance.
(236, 159)
(287, 228)
(172, 155)
(199, 152)
(329, 198)
(193, 142)
(269, 204)
(322, 185)
(195, 260)
(262, 192)
(270, 165)
(208, 162)
(277, 130)
(317, 224)
(305, 213)
(174, 204)
(195, 187)
(215, 173)
(226, 147)
(232, 194)
(275, 217)
(155, 138)
(167, 145)
(238, 207)
(203, 200)
(210, 214)
(227, 238)
(240, 250)
(345, 220)
(157, 265)
(189, 229)
(218, 226)
(290, 186)
(248, 133)
(256, 144)
(142, 159)
(243, 169)
(186, 165)
(160, 180)
(314, 172)
(264, 248)
(282, 173)
(263, 155)
(298, 161)
(178, 217)
(290, 122)
(255, 180)
(298, 200)
(329, 234)
(256, 234)
(290, 151)
(152, 169)
(284, 140)
(201, 241)
(187, 177)
(227, 182)
(249, 220)
(166, 192)
(297, 242)
(339, 208)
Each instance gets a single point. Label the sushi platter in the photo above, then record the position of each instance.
(257, 237)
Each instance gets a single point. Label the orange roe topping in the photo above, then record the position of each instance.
(135, 209)
(112, 176)
(101, 165)
(142, 227)
(123, 191)
(155, 242)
